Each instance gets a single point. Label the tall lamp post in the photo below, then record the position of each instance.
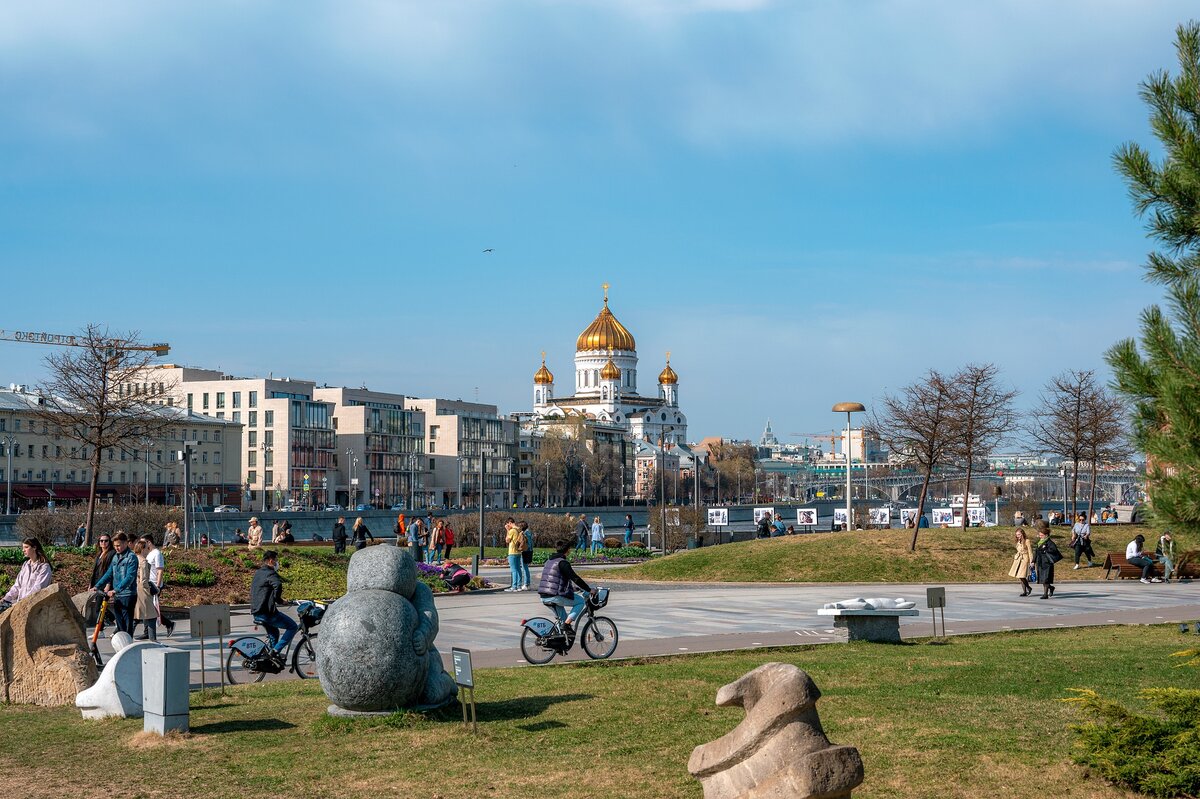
(9, 441)
(266, 486)
(146, 444)
(848, 408)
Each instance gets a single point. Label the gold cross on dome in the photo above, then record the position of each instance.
(543, 356)
(668, 356)
(605, 287)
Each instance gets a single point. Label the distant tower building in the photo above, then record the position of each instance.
(543, 385)
(768, 437)
(668, 384)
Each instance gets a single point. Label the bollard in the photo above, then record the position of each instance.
(166, 674)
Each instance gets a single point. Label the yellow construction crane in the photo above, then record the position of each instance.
(29, 337)
(833, 437)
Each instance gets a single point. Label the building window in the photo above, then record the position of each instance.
(204, 457)
(252, 438)
(220, 415)
(122, 477)
(269, 438)
(268, 477)
(220, 399)
(251, 476)
(252, 419)
(237, 399)
(204, 401)
(253, 399)
(189, 402)
(269, 419)
(252, 458)
(237, 416)
(431, 464)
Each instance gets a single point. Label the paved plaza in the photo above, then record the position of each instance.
(658, 619)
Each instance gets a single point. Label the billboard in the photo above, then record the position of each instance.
(881, 517)
(806, 517)
(718, 517)
(942, 516)
(906, 514)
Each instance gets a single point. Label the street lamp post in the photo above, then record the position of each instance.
(848, 408)
(266, 486)
(583, 488)
(146, 442)
(10, 441)
(547, 484)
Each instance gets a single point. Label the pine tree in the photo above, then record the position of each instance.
(1162, 378)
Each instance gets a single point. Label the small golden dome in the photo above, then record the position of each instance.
(667, 376)
(610, 371)
(543, 376)
(605, 333)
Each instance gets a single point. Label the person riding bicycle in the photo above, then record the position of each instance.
(555, 586)
(266, 592)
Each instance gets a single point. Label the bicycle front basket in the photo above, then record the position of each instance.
(601, 598)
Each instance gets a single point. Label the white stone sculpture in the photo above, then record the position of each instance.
(875, 603)
(118, 692)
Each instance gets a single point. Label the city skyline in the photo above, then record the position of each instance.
(804, 205)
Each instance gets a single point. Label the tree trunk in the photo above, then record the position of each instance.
(1092, 493)
(1075, 489)
(89, 535)
(966, 498)
(921, 507)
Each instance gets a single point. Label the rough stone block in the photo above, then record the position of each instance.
(44, 657)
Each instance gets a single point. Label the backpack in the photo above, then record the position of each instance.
(520, 543)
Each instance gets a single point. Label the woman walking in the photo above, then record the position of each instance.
(435, 542)
(143, 609)
(254, 534)
(1022, 560)
(597, 535)
(361, 534)
(526, 553)
(448, 537)
(1044, 558)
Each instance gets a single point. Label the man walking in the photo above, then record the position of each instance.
(581, 533)
(339, 536)
(158, 566)
(121, 581)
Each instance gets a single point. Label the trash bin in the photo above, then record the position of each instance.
(691, 542)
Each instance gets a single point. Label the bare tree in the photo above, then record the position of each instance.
(981, 415)
(1105, 434)
(94, 396)
(1059, 423)
(916, 424)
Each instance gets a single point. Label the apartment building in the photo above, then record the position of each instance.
(38, 467)
(380, 448)
(460, 438)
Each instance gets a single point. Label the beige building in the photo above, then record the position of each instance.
(39, 467)
(288, 447)
(381, 444)
(459, 438)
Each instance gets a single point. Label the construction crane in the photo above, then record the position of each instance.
(831, 438)
(28, 337)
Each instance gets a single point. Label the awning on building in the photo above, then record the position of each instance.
(70, 493)
(31, 492)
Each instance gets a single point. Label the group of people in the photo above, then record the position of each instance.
(594, 533)
(772, 527)
(429, 540)
(1033, 562)
(130, 571)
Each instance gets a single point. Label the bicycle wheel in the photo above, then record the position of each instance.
(304, 657)
(599, 637)
(535, 652)
(238, 669)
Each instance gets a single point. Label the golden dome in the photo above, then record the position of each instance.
(543, 376)
(667, 375)
(610, 371)
(605, 333)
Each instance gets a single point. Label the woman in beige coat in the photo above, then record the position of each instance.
(145, 611)
(1021, 561)
(254, 534)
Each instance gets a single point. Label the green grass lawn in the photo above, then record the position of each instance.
(977, 716)
(977, 554)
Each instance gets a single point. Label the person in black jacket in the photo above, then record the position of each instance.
(555, 586)
(361, 533)
(1044, 557)
(339, 536)
(266, 592)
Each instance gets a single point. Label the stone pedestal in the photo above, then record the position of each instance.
(881, 626)
(166, 676)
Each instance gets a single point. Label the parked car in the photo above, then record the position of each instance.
(399, 506)
(363, 507)
(227, 509)
(337, 508)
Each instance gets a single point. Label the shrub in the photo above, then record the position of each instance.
(59, 525)
(1155, 755)
(613, 543)
(190, 574)
(548, 528)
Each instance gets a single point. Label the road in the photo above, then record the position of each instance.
(658, 619)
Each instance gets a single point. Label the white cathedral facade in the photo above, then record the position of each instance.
(606, 389)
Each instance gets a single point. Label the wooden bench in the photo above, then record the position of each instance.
(1116, 562)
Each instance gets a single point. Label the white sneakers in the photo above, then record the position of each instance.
(1077, 567)
(1156, 579)
(517, 588)
(1144, 580)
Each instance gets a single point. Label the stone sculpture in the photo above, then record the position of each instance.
(779, 750)
(44, 658)
(377, 653)
(118, 692)
(876, 603)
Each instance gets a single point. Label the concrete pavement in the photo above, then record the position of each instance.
(666, 619)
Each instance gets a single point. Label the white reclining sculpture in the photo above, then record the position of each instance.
(118, 692)
(875, 603)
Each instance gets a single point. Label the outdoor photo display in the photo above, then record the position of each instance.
(718, 517)
(977, 515)
(761, 512)
(806, 517)
(942, 516)
(840, 517)
(673, 517)
(881, 516)
(906, 514)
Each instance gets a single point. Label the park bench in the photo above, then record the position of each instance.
(869, 624)
(1115, 562)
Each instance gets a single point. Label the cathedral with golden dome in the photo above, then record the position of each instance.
(606, 387)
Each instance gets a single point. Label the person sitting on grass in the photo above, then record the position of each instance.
(555, 587)
(456, 577)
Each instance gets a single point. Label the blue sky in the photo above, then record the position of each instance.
(805, 202)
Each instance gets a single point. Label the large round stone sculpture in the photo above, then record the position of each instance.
(375, 651)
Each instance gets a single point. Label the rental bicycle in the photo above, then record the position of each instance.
(250, 657)
(542, 638)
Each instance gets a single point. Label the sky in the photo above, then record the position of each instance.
(806, 203)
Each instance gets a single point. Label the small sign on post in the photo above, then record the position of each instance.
(464, 678)
(806, 517)
(205, 621)
(936, 598)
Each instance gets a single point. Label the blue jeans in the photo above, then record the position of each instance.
(122, 609)
(1144, 563)
(562, 604)
(628, 537)
(1168, 566)
(596, 546)
(436, 557)
(524, 572)
(514, 570)
(273, 624)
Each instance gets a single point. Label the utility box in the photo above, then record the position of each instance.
(166, 676)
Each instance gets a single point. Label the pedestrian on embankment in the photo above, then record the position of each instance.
(1044, 558)
(1022, 560)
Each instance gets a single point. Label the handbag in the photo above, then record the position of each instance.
(1033, 574)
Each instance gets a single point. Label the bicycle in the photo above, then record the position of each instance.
(542, 638)
(250, 657)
